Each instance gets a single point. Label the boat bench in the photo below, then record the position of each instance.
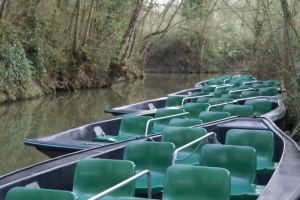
(240, 161)
(131, 126)
(247, 94)
(209, 116)
(153, 156)
(194, 94)
(163, 116)
(181, 136)
(268, 91)
(261, 140)
(184, 122)
(260, 106)
(174, 100)
(238, 110)
(194, 182)
(195, 109)
(28, 193)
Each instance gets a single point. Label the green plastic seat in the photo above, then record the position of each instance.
(208, 88)
(240, 161)
(231, 96)
(174, 100)
(259, 85)
(224, 77)
(219, 93)
(27, 193)
(210, 116)
(269, 91)
(93, 176)
(247, 94)
(236, 82)
(216, 81)
(187, 182)
(194, 94)
(236, 90)
(202, 100)
(271, 83)
(153, 156)
(261, 140)
(215, 101)
(159, 125)
(132, 126)
(260, 106)
(246, 77)
(184, 122)
(244, 86)
(181, 136)
(195, 109)
(238, 110)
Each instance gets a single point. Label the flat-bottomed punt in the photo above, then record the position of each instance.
(281, 183)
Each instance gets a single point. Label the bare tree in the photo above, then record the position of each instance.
(88, 24)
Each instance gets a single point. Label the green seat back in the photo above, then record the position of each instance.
(159, 125)
(238, 110)
(194, 94)
(260, 106)
(215, 101)
(224, 77)
(27, 193)
(208, 88)
(236, 82)
(184, 122)
(218, 93)
(247, 94)
(187, 182)
(209, 116)
(231, 96)
(269, 91)
(93, 176)
(259, 85)
(244, 86)
(154, 156)
(235, 91)
(246, 77)
(195, 109)
(261, 140)
(181, 136)
(216, 81)
(271, 83)
(131, 126)
(202, 100)
(240, 161)
(174, 100)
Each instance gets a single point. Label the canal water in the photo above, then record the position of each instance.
(65, 110)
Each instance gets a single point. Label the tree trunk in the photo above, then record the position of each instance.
(3, 9)
(88, 24)
(76, 31)
(130, 30)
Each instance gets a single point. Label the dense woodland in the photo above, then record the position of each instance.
(47, 46)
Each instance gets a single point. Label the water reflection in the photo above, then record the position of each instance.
(62, 111)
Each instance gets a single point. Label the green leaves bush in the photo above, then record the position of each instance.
(17, 68)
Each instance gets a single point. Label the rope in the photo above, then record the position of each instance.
(191, 153)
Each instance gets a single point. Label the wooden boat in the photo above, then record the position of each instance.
(60, 173)
(143, 124)
(212, 87)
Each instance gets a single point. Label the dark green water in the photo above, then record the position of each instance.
(62, 111)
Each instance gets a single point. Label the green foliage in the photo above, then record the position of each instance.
(17, 66)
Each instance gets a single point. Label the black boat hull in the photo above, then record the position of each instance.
(58, 173)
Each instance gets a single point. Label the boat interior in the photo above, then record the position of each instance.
(216, 149)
